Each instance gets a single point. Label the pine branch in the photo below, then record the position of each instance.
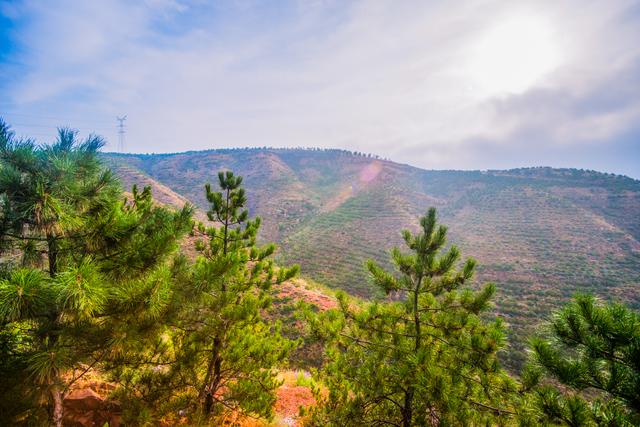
(498, 411)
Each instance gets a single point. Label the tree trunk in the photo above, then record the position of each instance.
(58, 409)
(208, 402)
(205, 384)
(407, 410)
(215, 381)
(212, 387)
(225, 241)
(53, 255)
(212, 379)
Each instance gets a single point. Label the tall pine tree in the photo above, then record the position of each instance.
(79, 261)
(221, 356)
(426, 358)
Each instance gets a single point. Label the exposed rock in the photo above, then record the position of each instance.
(86, 408)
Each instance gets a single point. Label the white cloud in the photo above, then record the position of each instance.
(402, 79)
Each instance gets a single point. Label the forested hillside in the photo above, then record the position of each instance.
(540, 233)
(118, 308)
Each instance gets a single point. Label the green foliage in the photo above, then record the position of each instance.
(24, 295)
(220, 355)
(423, 357)
(593, 350)
(70, 245)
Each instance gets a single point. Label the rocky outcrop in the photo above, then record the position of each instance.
(86, 408)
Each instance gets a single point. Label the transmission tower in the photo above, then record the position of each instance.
(121, 132)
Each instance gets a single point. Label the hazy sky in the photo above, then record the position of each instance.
(437, 84)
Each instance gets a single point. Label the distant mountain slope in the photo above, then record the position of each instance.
(540, 233)
(130, 176)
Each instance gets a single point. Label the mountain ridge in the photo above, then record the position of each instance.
(540, 233)
(372, 156)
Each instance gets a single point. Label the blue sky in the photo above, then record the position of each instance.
(471, 84)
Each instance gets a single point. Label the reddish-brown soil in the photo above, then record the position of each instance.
(290, 399)
(298, 289)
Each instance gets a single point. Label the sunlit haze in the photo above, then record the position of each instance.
(513, 56)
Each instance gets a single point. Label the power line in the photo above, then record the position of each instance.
(30, 125)
(61, 119)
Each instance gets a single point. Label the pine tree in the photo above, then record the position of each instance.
(427, 358)
(79, 261)
(222, 354)
(592, 347)
(238, 275)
